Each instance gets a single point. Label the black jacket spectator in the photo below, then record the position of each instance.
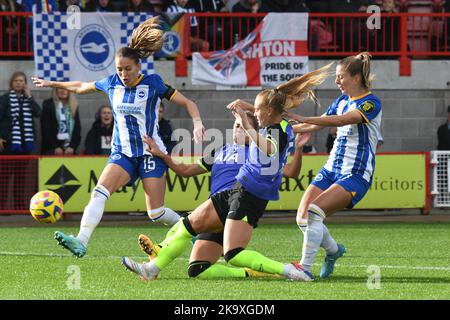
(141, 6)
(286, 6)
(100, 6)
(98, 139)
(206, 5)
(444, 134)
(49, 129)
(250, 6)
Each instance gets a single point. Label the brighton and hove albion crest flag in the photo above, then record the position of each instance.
(274, 52)
(82, 46)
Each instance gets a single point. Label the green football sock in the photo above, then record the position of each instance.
(173, 246)
(256, 261)
(221, 271)
(169, 234)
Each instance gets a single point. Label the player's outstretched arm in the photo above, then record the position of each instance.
(292, 169)
(301, 127)
(181, 169)
(351, 117)
(73, 86)
(192, 109)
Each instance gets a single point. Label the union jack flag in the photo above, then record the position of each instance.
(226, 61)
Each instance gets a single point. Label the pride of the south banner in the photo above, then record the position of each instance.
(274, 52)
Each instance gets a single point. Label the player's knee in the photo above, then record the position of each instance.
(197, 267)
(100, 192)
(155, 214)
(229, 255)
(315, 212)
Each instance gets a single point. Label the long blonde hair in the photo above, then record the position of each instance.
(71, 101)
(292, 93)
(359, 64)
(146, 39)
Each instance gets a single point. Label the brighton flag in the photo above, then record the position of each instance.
(82, 46)
(274, 52)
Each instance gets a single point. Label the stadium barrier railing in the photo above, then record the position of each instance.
(18, 183)
(16, 29)
(440, 177)
(401, 35)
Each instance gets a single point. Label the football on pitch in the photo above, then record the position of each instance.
(46, 206)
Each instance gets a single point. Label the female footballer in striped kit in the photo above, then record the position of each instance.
(348, 173)
(135, 99)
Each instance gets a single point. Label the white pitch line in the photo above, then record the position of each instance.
(8, 253)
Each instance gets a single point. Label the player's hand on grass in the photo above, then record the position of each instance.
(152, 147)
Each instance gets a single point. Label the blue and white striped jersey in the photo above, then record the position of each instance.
(355, 145)
(135, 111)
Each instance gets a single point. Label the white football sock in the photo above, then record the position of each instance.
(313, 236)
(93, 213)
(328, 243)
(164, 215)
(302, 224)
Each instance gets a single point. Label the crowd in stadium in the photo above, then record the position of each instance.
(245, 6)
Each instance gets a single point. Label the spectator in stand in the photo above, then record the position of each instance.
(319, 6)
(98, 139)
(17, 137)
(229, 4)
(206, 5)
(165, 130)
(157, 6)
(39, 6)
(250, 6)
(388, 37)
(197, 42)
(214, 28)
(60, 124)
(136, 6)
(444, 134)
(354, 28)
(100, 6)
(286, 6)
(17, 110)
(64, 4)
(248, 24)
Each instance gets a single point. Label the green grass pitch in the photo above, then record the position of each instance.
(413, 260)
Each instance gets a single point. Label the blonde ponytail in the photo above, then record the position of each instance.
(302, 88)
(292, 93)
